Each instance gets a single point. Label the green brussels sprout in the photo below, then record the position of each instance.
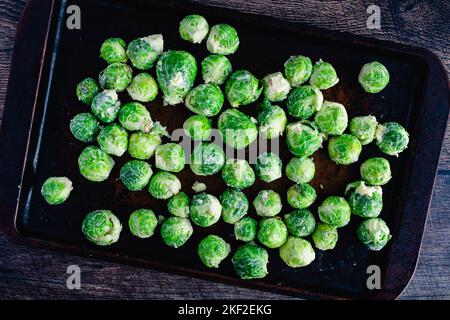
(363, 128)
(101, 227)
(215, 69)
(272, 232)
(237, 129)
(164, 185)
(234, 205)
(275, 87)
(272, 121)
(105, 106)
(376, 171)
(113, 50)
(250, 261)
(116, 76)
(135, 175)
(300, 170)
(198, 127)
(238, 174)
(144, 52)
(364, 200)
(325, 236)
(300, 196)
(297, 252)
(86, 90)
(392, 138)
(142, 223)
(143, 88)
(56, 190)
(179, 204)
(113, 139)
(335, 211)
(170, 157)
(246, 229)
(222, 39)
(205, 209)
(373, 233)
(142, 145)
(267, 203)
(212, 250)
(175, 231)
(300, 223)
(373, 77)
(133, 116)
(304, 101)
(332, 118)
(198, 187)
(344, 149)
(175, 73)
(303, 139)
(207, 159)
(85, 127)
(193, 28)
(297, 70)
(242, 88)
(206, 99)
(95, 164)
(268, 167)
(323, 76)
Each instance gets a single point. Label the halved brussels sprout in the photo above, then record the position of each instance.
(325, 236)
(179, 205)
(212, 250)
(276, 87)
(335, 211)
(392, 138)
(304, 101)
(134, 116)
(164, 185)
(206, 99)
(142, 145)
(297, 252)
(56, 190)
(207, 159)
(234, 205)
(300, 196)
(113, 50)
(175, 231)
(85, 127)
(364, 128)
(135, 175)
(272, 232)
(267, 203)
(242, 88)
(237, 173)
(344, 149)
(376, 171)
(105, 106)
(116, 76)
(170, 157)
(250, 261)
(364, 200)
(297, 70)
(198, 127)
(300, 170)
(272, 121)
(205, 209)
(222, 39)
(86, 90)
(246, 229)
(300, 223)
(95, 164)
(215, 69)
(332, 118)
(373, 77)
(143, 88)
(193, 28)
(268, 167)
(323, 76)
(144, 52)
(101, 227)
(374, 233)
(113, 139)
(237, 129)
(303, 138)
(142, 223)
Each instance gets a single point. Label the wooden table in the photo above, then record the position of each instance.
(29, 273)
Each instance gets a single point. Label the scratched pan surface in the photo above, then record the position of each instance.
(264, 46)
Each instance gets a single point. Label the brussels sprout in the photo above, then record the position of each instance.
(392, 138)
(143, 88)
(95, 164)
(267, 203)
(193, 28)
(250, 261)
(242, 88)
(170, 157)
(164, 185)
(144, 52)
(323, 76)
(175, 231)
(212, 250)
(297, 70)
(300, 223)
(179, 204)
(300, 170)
(246, 229)
(207, 159)
(116, 76)
(344, 149)
(373, 233)
(198, 127)
(276, 87)
(222, 39)
(332, 118)
(113, 139)
(56, 190)
(86, 90)
(268, 167)
(133, 116)
(325, 236)
(365, 201)
(335, 211)
(373, 77)
(363, 128)
(237, 129)
(237, 173)
(142, 223)
(101, 227)
(198, 187)
(113, 50)
(300, 196)
(272, 122)
(85, 127)
(105, 106)
(234, 205)
(205, 209)
(272, 232)
(135, 175)
(297, 252)
(304, 101)
(175, 73)
(376, 171)
(215, 69)
(142, 145)
(303, 139)
(206, 99)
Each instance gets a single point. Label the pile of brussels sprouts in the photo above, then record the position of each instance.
(119, 128)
